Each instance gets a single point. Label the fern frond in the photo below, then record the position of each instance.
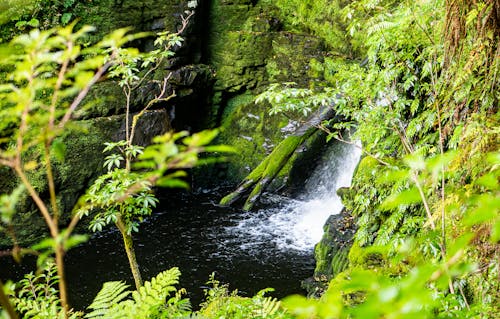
(111, 294)
(155, 292)
(265, 307)
(390, 226)
(146, 302)
(381, 27)
(270, 306)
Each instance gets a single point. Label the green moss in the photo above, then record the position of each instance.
(331, 259)
(82, 163)
(367, 257)
(108, 15)
(269, 169)
(291, 57)
(104, 99)
(239, 64)
(248, 128)
(323, 256)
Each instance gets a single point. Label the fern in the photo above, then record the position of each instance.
(391, 225)
(149, 301)
(153, 294)
(111, 294)
(267, 307)
(36, 296)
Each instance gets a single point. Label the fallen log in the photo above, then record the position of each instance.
(265, 172)
(269, 168)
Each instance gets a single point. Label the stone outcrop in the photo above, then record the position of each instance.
(103, 119)
(249, 48)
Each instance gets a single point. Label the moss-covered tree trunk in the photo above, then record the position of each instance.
(266, 171)
(129, 248)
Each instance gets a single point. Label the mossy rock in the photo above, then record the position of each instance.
(83, 162)
(367, 257)
(291, 57)
(240, 65)
(331, 253)
(143, 15)
(239, 43)
(253, 133)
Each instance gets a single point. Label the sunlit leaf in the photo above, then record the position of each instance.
(406, 197)
(58, 149)
(172, 183)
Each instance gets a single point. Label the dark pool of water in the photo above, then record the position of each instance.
(194, 234)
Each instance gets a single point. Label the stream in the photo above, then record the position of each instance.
(272, 247)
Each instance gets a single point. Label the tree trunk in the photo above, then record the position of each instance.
(63, 294)
(129, 248)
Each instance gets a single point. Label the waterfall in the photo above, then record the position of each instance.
(297, 224)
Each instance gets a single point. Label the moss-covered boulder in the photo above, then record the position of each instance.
(82, 163)
(331, 253)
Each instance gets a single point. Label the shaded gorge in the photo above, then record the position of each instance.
(270, 247)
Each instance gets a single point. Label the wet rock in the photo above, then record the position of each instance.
(331, 253)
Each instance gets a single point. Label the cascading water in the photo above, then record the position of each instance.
(297, 224)
(251, 251)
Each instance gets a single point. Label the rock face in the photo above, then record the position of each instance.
(249, 48)
(331, 253)
(104, 119)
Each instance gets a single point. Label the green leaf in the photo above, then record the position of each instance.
(415, 162)
(458, 244)
(202, 138)
(8, 203)
(34, 23)
(406, 197)
(58, 149)
(489, 181)
(495, 232)
(220, 149)
(112, 293)
(172, 182)
(485, 212)
(83, 78)
(44, 244)
(75, 240)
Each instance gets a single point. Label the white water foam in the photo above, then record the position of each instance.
(298, 223)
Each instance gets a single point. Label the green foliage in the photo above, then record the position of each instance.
(36, 296)
(17, 16)
(38, 79)
(321, 17)
(49, 74)
(13, 10)
(429, 178)
(220, 303)
(426, 194)
(285, 98)
(112, 293)
(153, 300)
(8, 204)
(109, 193)
(126, 194)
